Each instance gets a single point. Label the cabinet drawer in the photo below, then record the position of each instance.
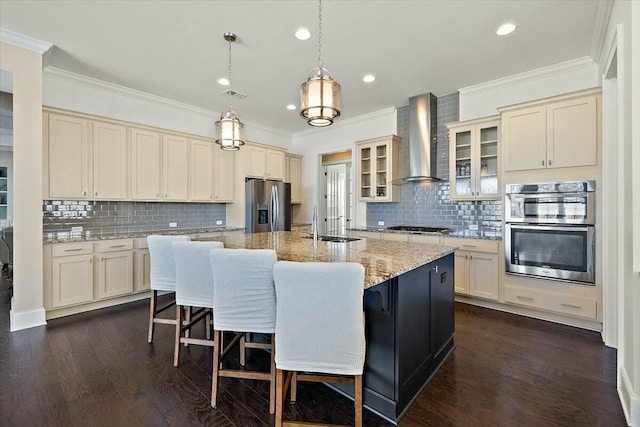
(475, 245)
(432, 240)
(565, 304)
(66, 249)
(115, 245)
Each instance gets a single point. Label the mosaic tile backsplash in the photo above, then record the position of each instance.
(428, 203)
(122, 217)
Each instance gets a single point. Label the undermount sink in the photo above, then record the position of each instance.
(335, 239)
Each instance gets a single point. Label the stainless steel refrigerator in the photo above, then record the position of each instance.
(267, 206)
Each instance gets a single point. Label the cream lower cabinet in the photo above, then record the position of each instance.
(476, 267)
(68, 274)
(142, 266)
(114, 272)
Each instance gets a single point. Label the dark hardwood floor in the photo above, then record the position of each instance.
(97, 369)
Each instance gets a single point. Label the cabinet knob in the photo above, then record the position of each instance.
(466, 257)
(471, 257)
(84, 193)
(96, 193)
(549, 162)
(543, 163)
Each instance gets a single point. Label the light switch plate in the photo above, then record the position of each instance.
(173, 224)
(219, 222)
(473, 227)
(380, 222)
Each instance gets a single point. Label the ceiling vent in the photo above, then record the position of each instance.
(233, 93)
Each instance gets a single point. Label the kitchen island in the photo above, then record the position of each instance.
(408, 302)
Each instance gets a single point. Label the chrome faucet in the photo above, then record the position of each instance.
(314, 223)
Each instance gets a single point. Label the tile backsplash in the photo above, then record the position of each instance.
(428, 203)
(118, 217)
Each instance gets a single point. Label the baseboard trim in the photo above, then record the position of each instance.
(630, 401)
(68, 311)
(19, 320)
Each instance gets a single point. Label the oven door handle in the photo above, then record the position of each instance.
(555, 227)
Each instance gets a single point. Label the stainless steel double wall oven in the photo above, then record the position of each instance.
(550, 230)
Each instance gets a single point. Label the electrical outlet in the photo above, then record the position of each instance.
(173, 224)
(76, 229)
(473, 227)
(380, 222)
(219, 222)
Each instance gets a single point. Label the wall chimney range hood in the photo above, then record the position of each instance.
(422, 138)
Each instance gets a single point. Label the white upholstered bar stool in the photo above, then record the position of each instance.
(244, 302)
(194, 288)
(319, 327)
(163, 276)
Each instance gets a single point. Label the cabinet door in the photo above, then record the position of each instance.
(201, 171)
(71, 280)
(382, 153)
(115, 274)
(485, 166)
(109, 161)
(145, 165)
(256, 161)
(142, 270)
(483, 275)
(295, 178)
(461, 266)
(69, 157)
(175, 167)
(461, 151)
(571, 133)
(275, 164)
(366, 167)
(224, 176)
(524, 139)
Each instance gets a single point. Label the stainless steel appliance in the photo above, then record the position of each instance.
(267, 206)
(550, 230)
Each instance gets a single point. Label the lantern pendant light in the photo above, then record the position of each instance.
(320, 94)
(229, 129)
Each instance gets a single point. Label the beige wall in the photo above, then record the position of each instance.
(27, 308)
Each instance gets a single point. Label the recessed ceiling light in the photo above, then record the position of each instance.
(303, 34)
(368, 78)
(505, 29)
(223, 81)
(291, 107)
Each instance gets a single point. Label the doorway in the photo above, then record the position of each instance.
(337, 193)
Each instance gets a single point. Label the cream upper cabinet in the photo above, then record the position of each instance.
(263, 162)
(145, 165)
(377, 168)
(201, 170)
(175, 170)
(223, 176)
(109, 161)
(293, 175)
(473, 159)
(69, 157)
(552, 133)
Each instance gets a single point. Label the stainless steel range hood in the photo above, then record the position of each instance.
(422, 138)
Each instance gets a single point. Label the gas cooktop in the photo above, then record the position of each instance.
(442, 230)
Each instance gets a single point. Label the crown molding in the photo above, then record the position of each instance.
(529, 76)
(603, 12)
(144, 96)
(26, 42)
(347, 122)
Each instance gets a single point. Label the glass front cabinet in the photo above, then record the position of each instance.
(377, 169)
(473, 159)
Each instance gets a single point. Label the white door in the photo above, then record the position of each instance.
(337, 198)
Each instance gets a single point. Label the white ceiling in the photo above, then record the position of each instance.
(175, 49)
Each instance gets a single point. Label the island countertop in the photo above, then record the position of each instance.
(382, 260)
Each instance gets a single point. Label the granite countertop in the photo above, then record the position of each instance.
(382, 260)
(92, 235)
(460, 234)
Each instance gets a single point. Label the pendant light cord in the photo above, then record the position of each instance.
(229, 91)
(320, 34)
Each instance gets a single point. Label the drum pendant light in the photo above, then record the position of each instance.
(229, 129)
(320, 94)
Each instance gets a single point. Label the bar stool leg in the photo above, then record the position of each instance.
(279, 397)
(176, 349)
(152, 314)
(357, 401)
(272, 376)
(216, 367)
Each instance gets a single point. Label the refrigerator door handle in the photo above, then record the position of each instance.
(272, 208)
(276, 219)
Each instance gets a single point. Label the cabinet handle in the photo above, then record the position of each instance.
(469, 246)
(73, 250)
(577, 307)
(524, 298)
(116, 246)
(91, 260)
(102, 259)
(157, 195)
(84, 193)
(549, 162)
(543, 163)
(435, 268)
(466, 257)
(471, 257)
(96, 193)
